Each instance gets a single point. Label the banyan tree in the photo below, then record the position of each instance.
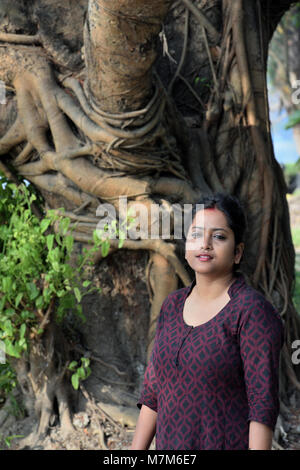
(157, 102)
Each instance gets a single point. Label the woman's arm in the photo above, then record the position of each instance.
(145, 429)
(261, 336)
(260, 436)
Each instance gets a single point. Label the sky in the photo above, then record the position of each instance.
(283, 140)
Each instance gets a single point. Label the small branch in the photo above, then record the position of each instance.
(215, 35)
(24, 155)
(74, 216)
(20, 38)
(210, 61)
(189, 86)
(45, 320)
(184, 50)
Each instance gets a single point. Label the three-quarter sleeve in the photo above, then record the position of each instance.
(148, 393)
(261, 336)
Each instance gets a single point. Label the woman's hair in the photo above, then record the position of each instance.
(233, 210)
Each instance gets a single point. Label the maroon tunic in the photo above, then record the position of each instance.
(207, 382)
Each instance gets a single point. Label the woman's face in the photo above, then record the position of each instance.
(209, 234)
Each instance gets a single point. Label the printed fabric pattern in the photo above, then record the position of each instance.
(207, 383)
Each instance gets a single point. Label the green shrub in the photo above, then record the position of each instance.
(35, 271)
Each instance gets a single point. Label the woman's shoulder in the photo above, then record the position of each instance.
(257, 309)
(173, 299)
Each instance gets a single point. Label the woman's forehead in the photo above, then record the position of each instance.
(208, 216)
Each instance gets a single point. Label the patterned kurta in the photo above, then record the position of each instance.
(207, 383)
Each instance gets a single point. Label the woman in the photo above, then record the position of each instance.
(212, 380)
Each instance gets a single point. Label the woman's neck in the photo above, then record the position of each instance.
(209, 287)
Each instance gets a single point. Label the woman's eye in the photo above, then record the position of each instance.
(219, 237)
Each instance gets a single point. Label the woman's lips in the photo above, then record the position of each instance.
(204, 257)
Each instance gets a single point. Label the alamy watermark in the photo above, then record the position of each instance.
(2, 353)
(296, 354)
(296, 93)
(154, 221)
(2, 92)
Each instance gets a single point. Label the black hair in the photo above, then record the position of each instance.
(232, 208)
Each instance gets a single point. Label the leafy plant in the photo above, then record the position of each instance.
(81, 372)
(8, 379)
(36, 274)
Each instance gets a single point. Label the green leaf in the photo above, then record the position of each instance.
(77, 294)
(22, 330)
(80, 372)
(12, 186)
(121, 242)
(22, 343)
(8, 328)
(64, 225)
(39, 303)
(32, 290)
(18, 299)
(12, 350)
(45, 224)
(55, 266)
(49, 241)
(105, 248)
(85, 361)
(72, 365)
(2, 303)
(6, 284)
(58, 238)
(60, 292)
(9, 312)
(69, 241)
(86, 283)
(96, 237)
(75, 381)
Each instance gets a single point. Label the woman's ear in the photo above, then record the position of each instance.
(239, 249)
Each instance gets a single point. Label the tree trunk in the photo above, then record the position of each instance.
(164, 131)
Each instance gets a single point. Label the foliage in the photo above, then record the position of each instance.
(7, 379)
(278, 60)
(36, 274)
(81, 372)
(290, 170)
(294, 119)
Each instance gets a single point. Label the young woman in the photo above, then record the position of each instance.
(212, 380)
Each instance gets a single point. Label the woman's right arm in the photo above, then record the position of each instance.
(145, 429)
(146, 424)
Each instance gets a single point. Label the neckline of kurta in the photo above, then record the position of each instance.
(233, 288)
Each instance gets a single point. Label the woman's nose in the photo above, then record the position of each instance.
(206, 241)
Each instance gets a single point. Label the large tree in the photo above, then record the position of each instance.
(158, 101)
